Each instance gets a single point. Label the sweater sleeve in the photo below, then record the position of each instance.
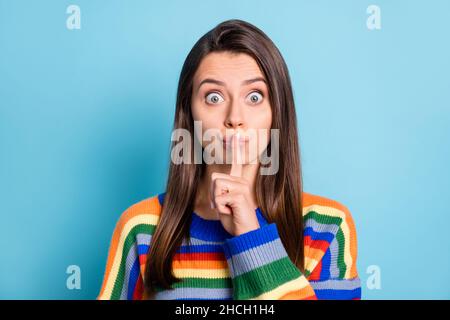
(122, 279)
(336, 276)
(261, 269)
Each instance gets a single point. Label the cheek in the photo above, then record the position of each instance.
(206, 119)
(200, 112)
(260, 123)
(265, 122)
(195, 110)
(268, 119)
(261, 119)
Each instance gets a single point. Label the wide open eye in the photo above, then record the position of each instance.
(214, 98)
(255, 97)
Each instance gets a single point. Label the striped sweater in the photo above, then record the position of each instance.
(253, 265)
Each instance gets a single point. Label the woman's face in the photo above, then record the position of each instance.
(230, 94)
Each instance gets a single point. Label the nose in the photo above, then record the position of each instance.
(235, 118)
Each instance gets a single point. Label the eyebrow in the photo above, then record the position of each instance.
(221, 83)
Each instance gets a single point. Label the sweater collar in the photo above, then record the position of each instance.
(211, 230)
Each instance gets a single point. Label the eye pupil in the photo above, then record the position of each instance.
(213, 98)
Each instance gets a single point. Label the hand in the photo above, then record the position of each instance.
(231, 194)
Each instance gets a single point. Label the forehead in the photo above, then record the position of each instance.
(227, 67)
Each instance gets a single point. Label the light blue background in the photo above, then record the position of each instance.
(86, 118)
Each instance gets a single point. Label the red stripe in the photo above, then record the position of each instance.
(142, 259)
(316, 244)
(200, 256)
(138, 289)
(315, 275)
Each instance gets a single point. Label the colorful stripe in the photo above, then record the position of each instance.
(260, 267)
(216, 265)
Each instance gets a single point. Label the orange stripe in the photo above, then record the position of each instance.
(310, 199)
(313, 253)
(150, 205)
(306, 293)
(353, 246)
(199, 264)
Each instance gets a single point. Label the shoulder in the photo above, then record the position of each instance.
(326, 214)
(140, 217)
(131, 236)
(329, 231)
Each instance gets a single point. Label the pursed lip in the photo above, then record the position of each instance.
(229, 139)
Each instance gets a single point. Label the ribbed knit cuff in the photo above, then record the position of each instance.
(337, 289)
(258, 262)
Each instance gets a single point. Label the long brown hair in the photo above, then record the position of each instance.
(279, 196)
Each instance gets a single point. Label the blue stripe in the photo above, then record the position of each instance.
(250, 240)
(161, 198)
(331, 294)
(134, 275)
(262, 221)
(326, 261)
(200, 248)
(326, 236)
(143, 249)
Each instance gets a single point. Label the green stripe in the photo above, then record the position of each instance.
(325, 219)
(340, 261)
(264, 278)
(204, 283)
(322, 218)
(130, 240)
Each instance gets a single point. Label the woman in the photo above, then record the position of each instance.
(228, 229)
